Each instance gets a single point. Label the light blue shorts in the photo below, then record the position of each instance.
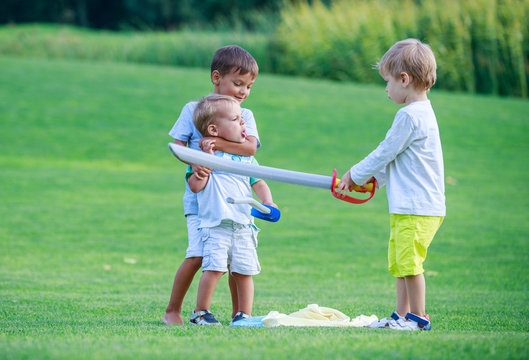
(195, 245)
(231, 244)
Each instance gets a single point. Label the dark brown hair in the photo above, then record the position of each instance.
(234, 58)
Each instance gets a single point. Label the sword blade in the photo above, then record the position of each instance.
(192, 156)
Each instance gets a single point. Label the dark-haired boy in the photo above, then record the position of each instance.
(233, 72)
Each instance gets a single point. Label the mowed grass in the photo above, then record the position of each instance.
(92, 227)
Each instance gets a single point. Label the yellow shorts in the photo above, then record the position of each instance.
(410, 236)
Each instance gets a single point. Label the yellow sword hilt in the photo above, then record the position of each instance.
(369, 188)
(358, 188)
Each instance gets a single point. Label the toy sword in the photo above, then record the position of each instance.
(192, 156)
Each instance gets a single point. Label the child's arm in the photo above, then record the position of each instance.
(247, 148)
(198, 181)
(200, 170)
(263, 192)
(397, 140)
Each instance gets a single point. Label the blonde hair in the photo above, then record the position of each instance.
(206, 110)
(234, 58)
(413, 57)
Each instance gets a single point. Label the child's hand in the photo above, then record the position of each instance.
(370, 181)
(207, 144)
(345, 184)
(201, 172)
(270, 204)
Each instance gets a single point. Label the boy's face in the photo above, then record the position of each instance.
(228, 123)
(396, 87)
(233, 84)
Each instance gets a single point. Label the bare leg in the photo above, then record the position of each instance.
(182, 280)
(416, 288)
(403, 305)
(246, 290)
(234, 295)
(206, 287)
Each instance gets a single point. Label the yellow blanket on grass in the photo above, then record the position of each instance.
(314, 315)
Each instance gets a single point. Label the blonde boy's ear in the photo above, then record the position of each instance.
(405, 79)
(212, 130)
(215, 77)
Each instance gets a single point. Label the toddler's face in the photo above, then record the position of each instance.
(235, 85)
(229, 124)
(394, 88)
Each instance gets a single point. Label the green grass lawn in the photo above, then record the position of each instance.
(92, 227)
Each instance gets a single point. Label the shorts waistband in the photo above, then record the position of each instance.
(230, 224)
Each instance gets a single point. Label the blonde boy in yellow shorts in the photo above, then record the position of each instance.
(409, 161)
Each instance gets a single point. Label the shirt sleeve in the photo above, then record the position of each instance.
(254, 180)
(397, 139)
(251, 126)
(183, 128)
(381, 178)
(189, 172)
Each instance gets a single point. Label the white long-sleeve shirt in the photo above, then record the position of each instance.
(410, 162)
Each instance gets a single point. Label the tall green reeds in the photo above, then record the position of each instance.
(480, 45)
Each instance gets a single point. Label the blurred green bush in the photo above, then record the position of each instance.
(480, 45)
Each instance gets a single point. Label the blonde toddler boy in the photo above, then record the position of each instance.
(227, 231)
(409, 161)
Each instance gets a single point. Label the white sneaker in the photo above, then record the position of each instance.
(411, 322)
(382, 323)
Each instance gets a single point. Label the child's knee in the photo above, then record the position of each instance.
(213, 274)
(239, 275)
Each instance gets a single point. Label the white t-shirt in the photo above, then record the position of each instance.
(212, 204)
(185, 130)
(410, 162)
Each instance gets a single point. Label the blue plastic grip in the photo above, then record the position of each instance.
(274, 215)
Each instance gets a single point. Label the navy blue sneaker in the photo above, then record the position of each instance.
(239, 316)
(203, 317)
